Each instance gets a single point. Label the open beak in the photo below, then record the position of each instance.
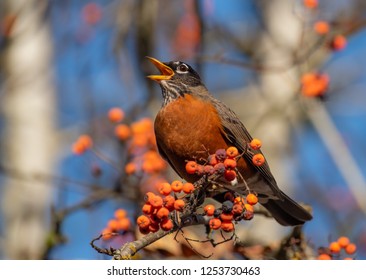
(166, 72)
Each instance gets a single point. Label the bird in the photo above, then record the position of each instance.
(191, 121)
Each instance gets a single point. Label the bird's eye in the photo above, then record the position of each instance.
(183, 68)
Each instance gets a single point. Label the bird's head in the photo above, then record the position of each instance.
(176, 79)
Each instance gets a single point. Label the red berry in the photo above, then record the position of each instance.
(230, 175)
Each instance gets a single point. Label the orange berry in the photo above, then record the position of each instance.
(258, 159)
(168, 202)
(122, 131)
(321, 27)
(239, 200)
(308, 78)
(334, 247)
(77, 148)
(164, 188)
(311, 4)
(124, 224)
(191, 167)
(324, 257)
(142, 126)
(215, 223)
(209, 209)
(107, 234)
(188, 188)
(348, 259)
(139, 140)
(179, 204)
(148, 166)
(252, 199)
(130, 168)
(230, 163)
(227, 226)
(176, 186)
(230, 175)
(162, 213)
(248, 207)
(120, 214)
(232, 152)
(86, 141)
(255, 144)
(143, 221)
(147, 209)
(226, 217)
(351, 249)
(113, 225)
(314, 84)
(156, 201)
(83, 143)
(343, 241)
(338, 43)
(115, 115)
(166, 224)
(149, 196)
(212, 160)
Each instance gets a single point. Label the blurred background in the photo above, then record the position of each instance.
(293, 70)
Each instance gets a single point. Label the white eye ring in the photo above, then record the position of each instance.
(183, 68)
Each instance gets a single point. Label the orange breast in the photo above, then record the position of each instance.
(188, 128)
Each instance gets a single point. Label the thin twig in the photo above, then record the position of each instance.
(339, 151)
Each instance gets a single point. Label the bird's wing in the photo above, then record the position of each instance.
(238, 136)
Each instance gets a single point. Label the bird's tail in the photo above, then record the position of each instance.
(287, 212)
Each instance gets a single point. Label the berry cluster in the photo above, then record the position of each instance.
(139, 137)
(336, 248)
(158, 207)
(82, 144)
(224, 162)
(314, 84)
(233, 209)
(119, 224)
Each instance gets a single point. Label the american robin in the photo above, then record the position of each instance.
(192, 120)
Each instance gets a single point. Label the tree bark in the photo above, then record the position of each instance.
(28, 106)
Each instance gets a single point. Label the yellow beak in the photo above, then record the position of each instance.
(166, 72)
